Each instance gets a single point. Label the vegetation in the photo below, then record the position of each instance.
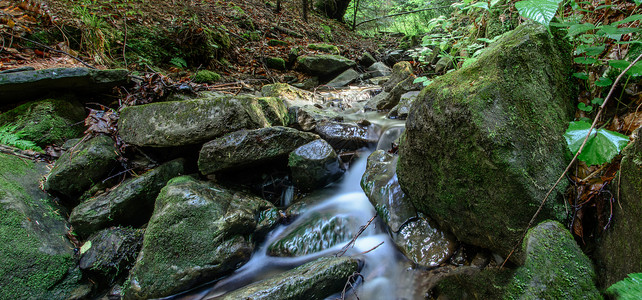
(10, 136)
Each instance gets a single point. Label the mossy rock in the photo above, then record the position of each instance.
(276, 63)
(111, 252)
(199, 232)
(46, 122)
(206, 76)
(324, 64)
(38, 260)
(277, 43)
(327, 48)
(314, 165)
(483, 144)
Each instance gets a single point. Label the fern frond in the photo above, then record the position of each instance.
(10, 136)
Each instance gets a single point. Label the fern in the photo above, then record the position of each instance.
(9, 135)
(627, 288)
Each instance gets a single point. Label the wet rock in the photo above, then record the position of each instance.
(443, 64)
(346, 136)
(288, 93)
(111, 252)
(401, 110)
(199, 232)
(348, 76)
(131, 203)
(308, 84)
(474, 158)
(378, 80)
(423, 243)
(307, 116)
(393, 57)
(315, 280)
(81, 166)
(314, 165)
(247, 147)
(319, 231)
(324, 65)
(379, 69)
(18, 86)
(473, 283)
(367, 59)
(37, 259)
(176, 123)
(615, 257)
(401, 81)
(46, 122)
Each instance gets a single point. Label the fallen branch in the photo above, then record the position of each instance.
(579, 151)
(399, 14)
(52, 49)
(352, 279)
(354, 239)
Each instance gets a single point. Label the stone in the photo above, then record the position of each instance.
(38, 260)
(315, 280)
(247, 147)
(474, 156)
(111, 252)
(615, 255)
(78, 168)
(178, 123)
(274, 43)
(348, 76)
(327, 48)
(402, 109)
(424, 244)
(130, 203)
(444, 64)
(206, 76)
(199, 232)
(291, 95)
(324, 64)
(276, 63)
(367, 59)
(314, 165)
(378, 69)
(46, 122)
(393, 57)
(18, 86)
(346, 136)
(401, 81)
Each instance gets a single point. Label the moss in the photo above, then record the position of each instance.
(327, 48)
(206, 76)
(275, 43)
(276, 63)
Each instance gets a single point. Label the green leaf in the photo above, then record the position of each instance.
(636, 70)
(603, 81)
(620, 64)
(601, 146)
(581, 75)
(579, 28)
(585, 60)
(597, 101)
(540, 11)
(483, 5)
(627, 288)
(583, 107)
(603, 6)
(632, 18)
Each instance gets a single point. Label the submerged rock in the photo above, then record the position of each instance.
(78, 168)
(246, 147)
(314, 165)
(38, 260)
(45, 122)
(177, 123)
(111, 252)
(131, 203)
(324, 65)
(315, 280)
(483, 144)
(346, 136)
(199, 232)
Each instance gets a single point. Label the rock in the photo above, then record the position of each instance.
(423, 243)
(378, 80)
(307, 116)
(319, 231)
(206, 76)
(177, 123)
(379, 69)
(246, 147)
(324, 65)
(81, 166)
(199, 232)
(614, 256)
(291, 95)
(46, 122)
(393, 57)
(348, 76)
(367, 59)
(131, 203)
(443, 64)
(314, 165)
(400, 72)
(308, 84)
(315, 280)
(401, 81)
(401, 110)
(111, 252)
(276, 63)
(555, 267)
(277, 43)
(327, 48)
(473, 157)
(37, 259)
(346, 136)
(472, 283)
(30, 84)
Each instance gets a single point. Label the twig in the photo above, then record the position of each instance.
(349, 282)
(375, 247)
(354, 239)
(400, 14)
(579, 151)
(125, 41)
(52, 49)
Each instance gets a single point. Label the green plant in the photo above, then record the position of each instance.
(627, 288)
(602, 146)
(9, 135)
(178, 62)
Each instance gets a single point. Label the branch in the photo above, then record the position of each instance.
(597, 117)
(399, 14)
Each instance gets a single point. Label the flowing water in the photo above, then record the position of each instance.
(387, 274)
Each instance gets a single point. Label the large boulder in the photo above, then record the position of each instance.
(483, 144)
(324, 64)
(84, 164)
(616, 256)
(38, 260)
(246, 147)
(177, 123)
(291, 95)
(16, 86)
(45, 122)
(315, 280)
(130, 203)
(314, 165)
(199, 232)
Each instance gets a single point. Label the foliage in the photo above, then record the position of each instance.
(12, 137)
(627, 288)
(178, 62)
(602, 146)
(540, 11)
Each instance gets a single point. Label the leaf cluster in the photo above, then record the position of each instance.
(10, 136)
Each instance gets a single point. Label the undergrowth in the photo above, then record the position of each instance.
(10, 136)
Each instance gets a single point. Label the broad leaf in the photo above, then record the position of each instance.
(483, 5)
(601, 146)
(597, 101)
(603, 81)
(627, 288)
(579, 28)
(581, 75)
(636, 70)
(583, 107)
(585, 60)
(540, 11)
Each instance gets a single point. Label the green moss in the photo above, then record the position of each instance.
(327, 48)
(206, 76)
(277, 43)
(275, 63)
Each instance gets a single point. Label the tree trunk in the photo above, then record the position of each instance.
(304, 5)
(278, 6)
(333, 9)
